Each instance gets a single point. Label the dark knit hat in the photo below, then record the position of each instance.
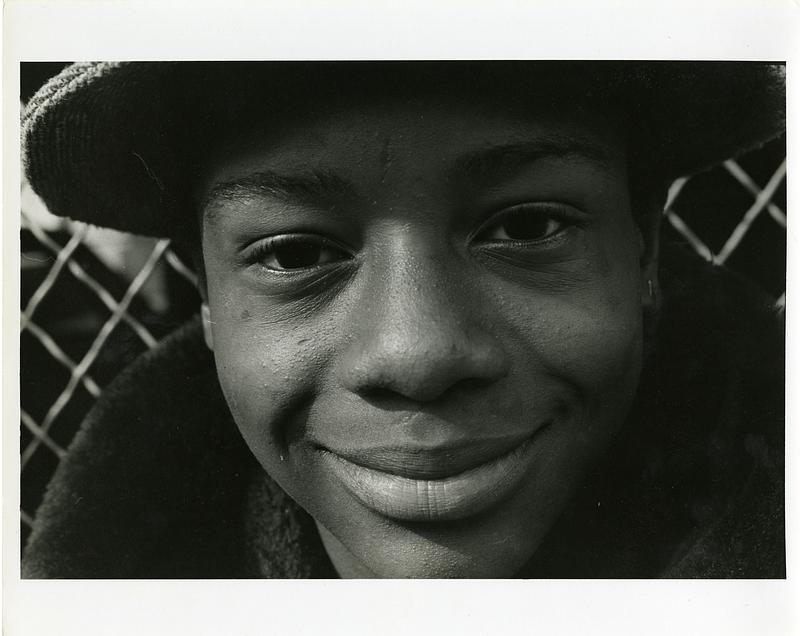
(115, 143)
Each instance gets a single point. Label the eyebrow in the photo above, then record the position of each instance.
(482, 168)
(317, 188)
(487, 167)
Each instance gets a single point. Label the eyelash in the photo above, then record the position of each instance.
(267, 248)
(563, 214)
(330, 252)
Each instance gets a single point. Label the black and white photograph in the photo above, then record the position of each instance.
(400, 317)
(439, 330)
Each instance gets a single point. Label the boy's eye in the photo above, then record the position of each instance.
(287, 252)
(525, 223)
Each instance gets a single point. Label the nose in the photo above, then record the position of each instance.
(420, 332)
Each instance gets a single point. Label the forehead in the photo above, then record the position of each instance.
(446, 134)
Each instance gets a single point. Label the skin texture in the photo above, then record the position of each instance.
(422, 325)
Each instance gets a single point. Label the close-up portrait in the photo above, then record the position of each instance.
(403, 319)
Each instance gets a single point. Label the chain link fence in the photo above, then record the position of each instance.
(93, 300)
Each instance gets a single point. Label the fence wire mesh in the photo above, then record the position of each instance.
(93, 299)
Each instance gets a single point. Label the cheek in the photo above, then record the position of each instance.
(586, 348)
(594, 344)
(268, 370)
(589, 338)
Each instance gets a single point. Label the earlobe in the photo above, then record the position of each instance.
(205, 315)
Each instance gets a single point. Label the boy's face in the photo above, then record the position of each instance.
(427, 322)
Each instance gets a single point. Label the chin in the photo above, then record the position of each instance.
(420, 557)
(496, 544)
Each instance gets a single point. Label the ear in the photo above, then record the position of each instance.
(205, 315)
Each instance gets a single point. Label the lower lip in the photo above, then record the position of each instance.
(452, 498)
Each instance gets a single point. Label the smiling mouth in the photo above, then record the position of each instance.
(442, 484)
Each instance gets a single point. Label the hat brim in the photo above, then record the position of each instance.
(104, 143)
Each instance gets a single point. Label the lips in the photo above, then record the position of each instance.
(433, 484)
(437, 462)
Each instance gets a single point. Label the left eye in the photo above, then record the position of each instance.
(524, 223)
(288, 252)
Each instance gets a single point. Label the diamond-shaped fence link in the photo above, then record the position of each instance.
(68, 354)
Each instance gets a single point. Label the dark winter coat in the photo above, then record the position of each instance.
(158, 483)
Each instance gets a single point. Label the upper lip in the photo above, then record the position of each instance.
(437, 462)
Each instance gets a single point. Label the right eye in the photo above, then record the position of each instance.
(292, 252)
(528, 223)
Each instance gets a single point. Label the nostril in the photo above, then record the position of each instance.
(389, 398)
(470, 385)
(379, 394)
